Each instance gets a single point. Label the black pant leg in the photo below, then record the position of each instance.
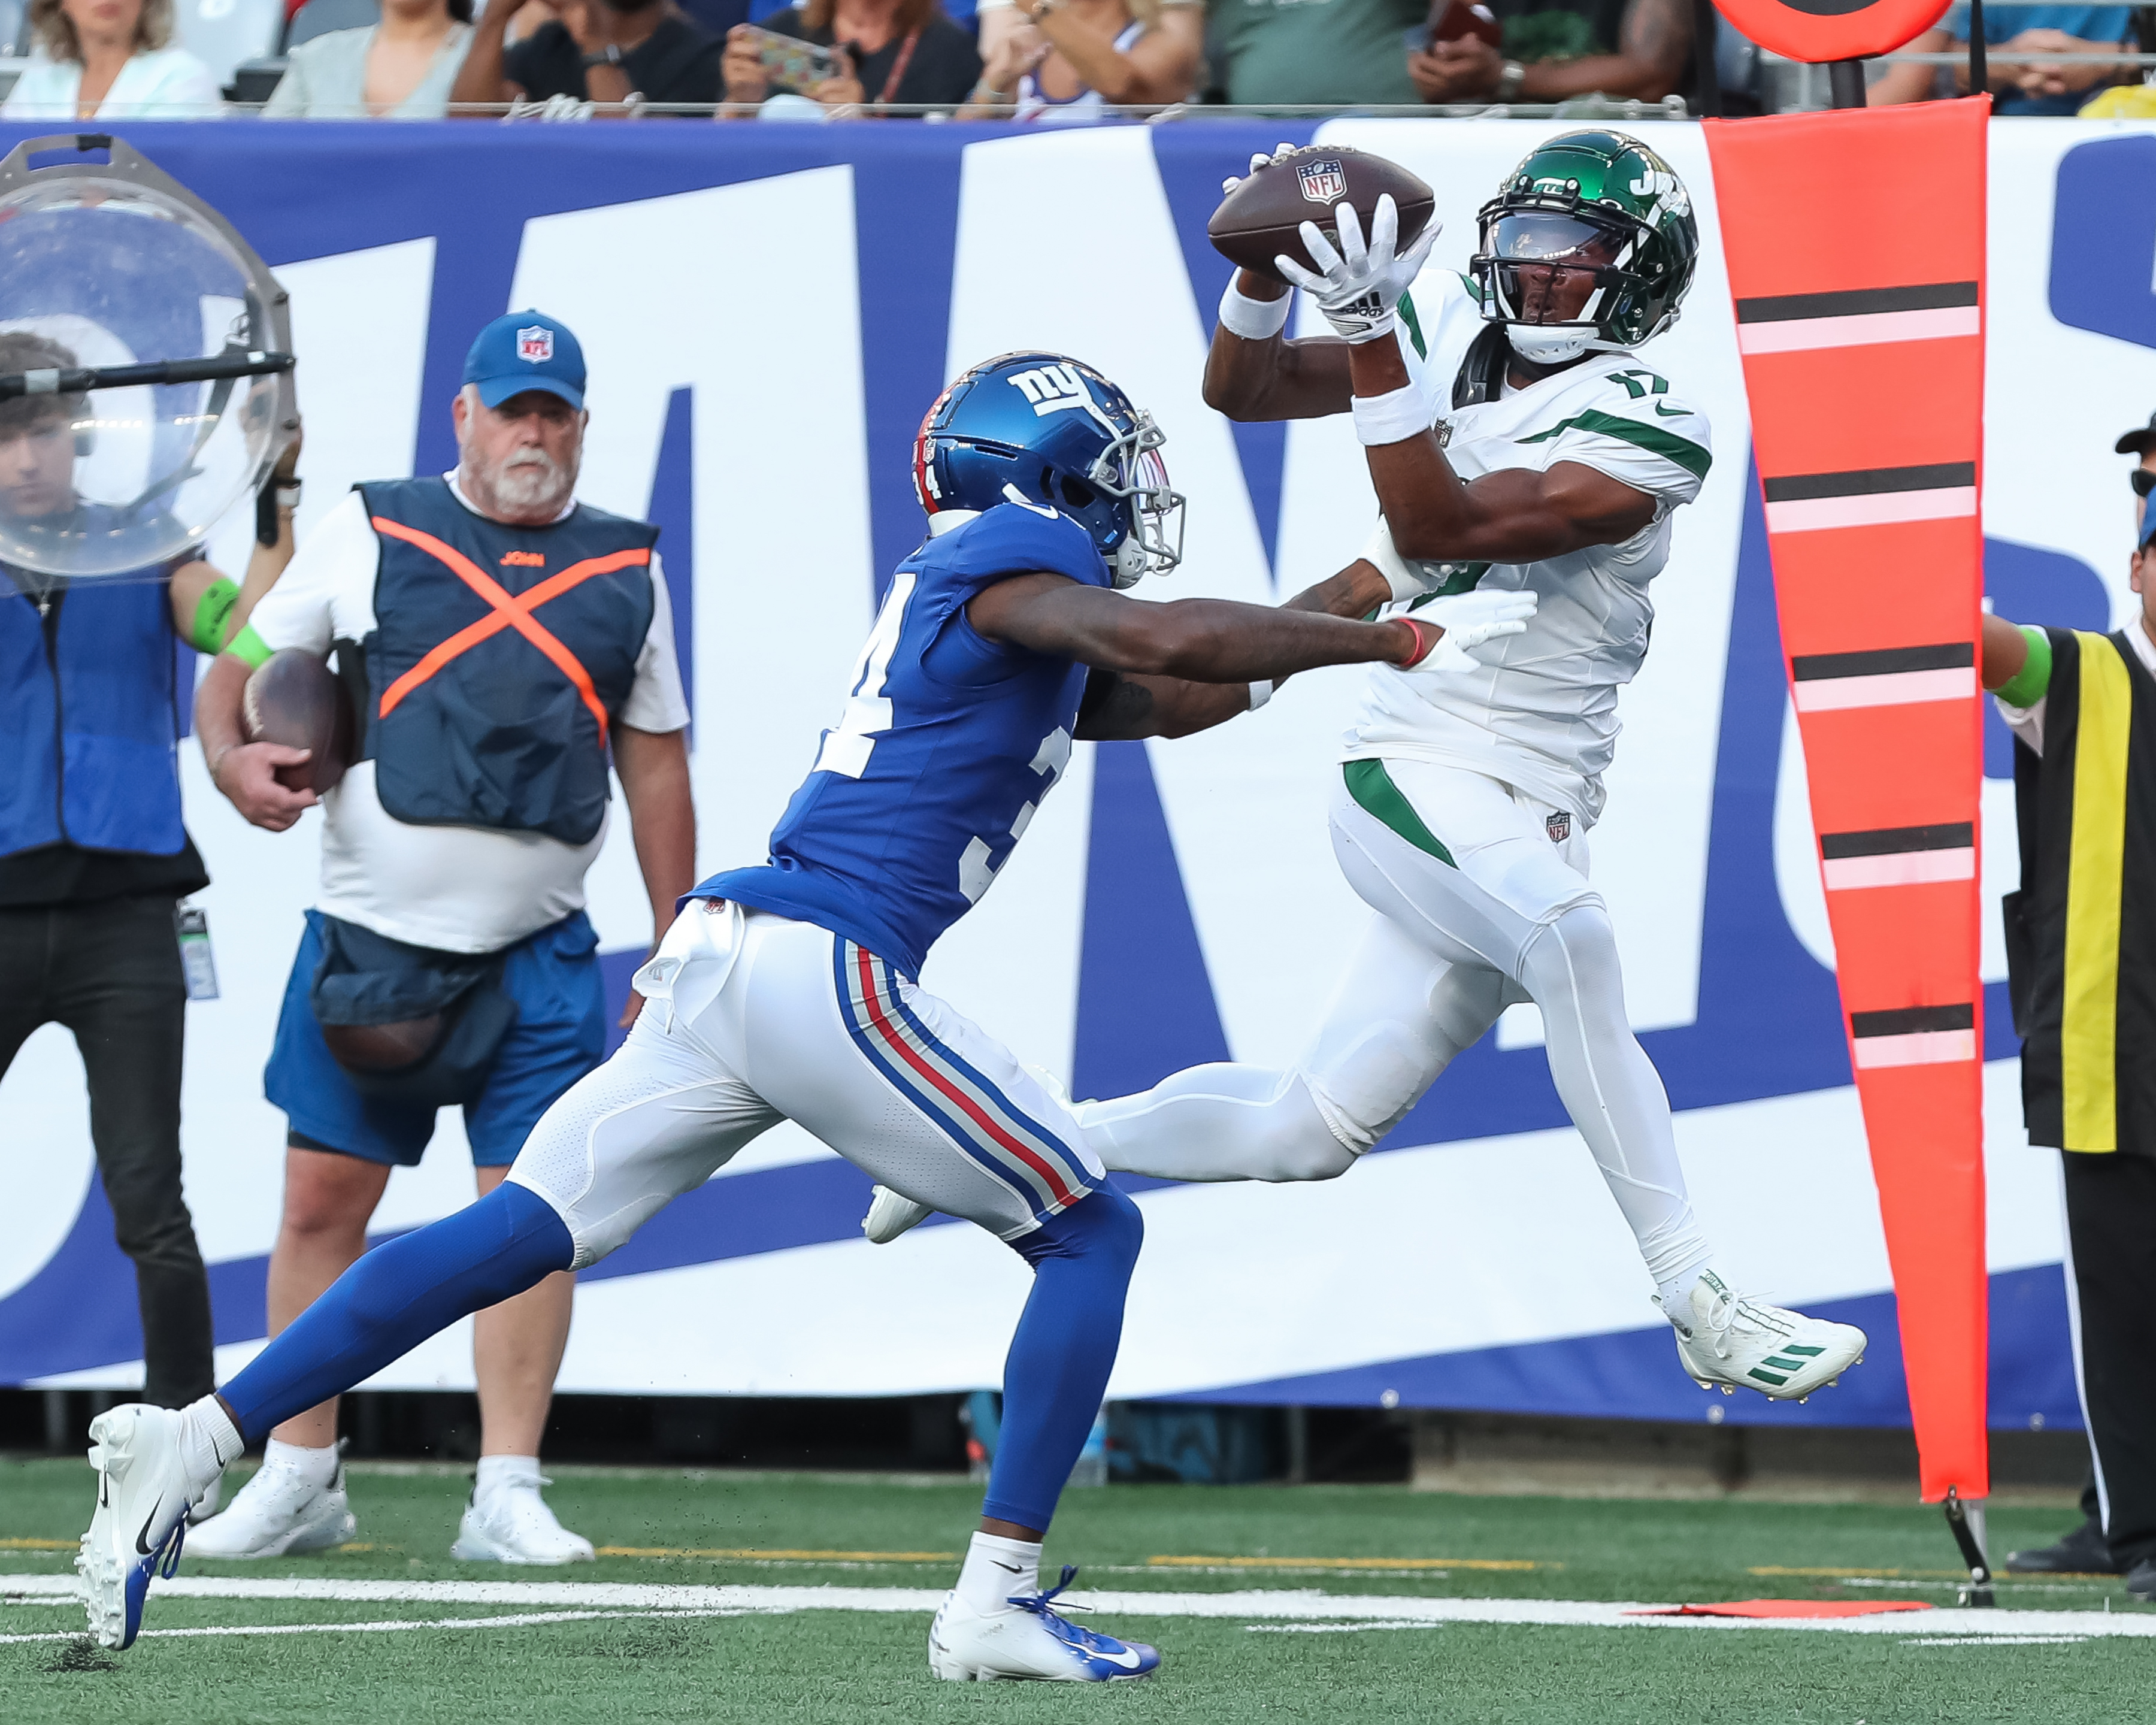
(120, 987)
(2111, 1220)
(26, 944)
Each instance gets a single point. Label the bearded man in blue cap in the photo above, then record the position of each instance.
(503, 645)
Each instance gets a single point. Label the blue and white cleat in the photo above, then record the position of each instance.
(1031, 1640)
(143, 1497)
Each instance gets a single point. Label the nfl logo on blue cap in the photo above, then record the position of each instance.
(526, 350)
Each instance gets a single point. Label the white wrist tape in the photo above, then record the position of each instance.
(1407, 581)
(1391, 419)
(1260, 693)
(1252, 319)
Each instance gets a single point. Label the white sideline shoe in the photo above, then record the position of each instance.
(890, 1214)
(1030, 1642)
(142, 1496)
(277, 1513)
(1729, 1341)
(515, 1525)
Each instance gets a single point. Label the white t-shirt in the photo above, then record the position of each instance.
(2027, 722)
(1541, 714)
(161, 84)
(456, 889)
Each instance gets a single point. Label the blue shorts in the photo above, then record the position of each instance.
(559, 1035)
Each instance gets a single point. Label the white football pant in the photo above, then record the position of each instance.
(749, 1019)
(1482, 900)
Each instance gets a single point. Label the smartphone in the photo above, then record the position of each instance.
(790, 64)
(1450, 20)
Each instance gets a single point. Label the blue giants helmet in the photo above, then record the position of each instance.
(1045, 429)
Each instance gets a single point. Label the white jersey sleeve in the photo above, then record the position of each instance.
(1640, 433)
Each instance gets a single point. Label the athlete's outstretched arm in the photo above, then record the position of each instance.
(1275, 378)
(1119, 705)
(1198, 640)
(1513, 516)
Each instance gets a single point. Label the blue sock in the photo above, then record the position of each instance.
(395, 1297)
(1063, 1351)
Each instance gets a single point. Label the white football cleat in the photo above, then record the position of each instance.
(1729, 1341)
(1030, 1642)
(515, 1525)
(277, 1513)
(143, 1492)
(890, 1214)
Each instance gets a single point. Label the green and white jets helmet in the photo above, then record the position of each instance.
(1593, 201)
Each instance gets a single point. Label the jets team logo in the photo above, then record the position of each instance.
(1558, 826)
(1324, 181)
(534, 347)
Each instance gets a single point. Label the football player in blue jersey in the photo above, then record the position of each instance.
(788, 990)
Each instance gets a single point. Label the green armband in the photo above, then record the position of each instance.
(249, 646)
(2026, 686)
(213, 615)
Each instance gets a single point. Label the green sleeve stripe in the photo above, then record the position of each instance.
(249, 646)
(212, 617)
(2026, 686)
(1371, 786)
(1414, 324)
(1682, 450)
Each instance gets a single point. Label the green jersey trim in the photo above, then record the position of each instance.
(1373, 788)
(1407, 311)
(1682, 450)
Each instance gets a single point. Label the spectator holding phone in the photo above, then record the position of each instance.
(1552, 50)
(892, 53)
(403, 68)
(603, 51)
(1065, 60)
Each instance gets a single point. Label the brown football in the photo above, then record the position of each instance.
(1258, 221)
(295, 699)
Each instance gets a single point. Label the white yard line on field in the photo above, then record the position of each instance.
(522, 1620)
(1269, 1605)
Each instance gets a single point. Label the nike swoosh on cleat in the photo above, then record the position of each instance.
(147, 1551)
(1008, 1569)
(1127, 1659)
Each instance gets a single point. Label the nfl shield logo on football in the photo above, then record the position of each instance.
(1558, 826)
(1322, 181)
(534, 345)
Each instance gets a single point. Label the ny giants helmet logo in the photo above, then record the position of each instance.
(1050, 389)
(534, 345)
(1323, 182)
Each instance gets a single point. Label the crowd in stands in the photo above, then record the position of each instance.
(1046, 61)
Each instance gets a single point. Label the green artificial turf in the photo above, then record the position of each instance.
(831, 1664)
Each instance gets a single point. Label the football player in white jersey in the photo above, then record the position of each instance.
(1516, 442)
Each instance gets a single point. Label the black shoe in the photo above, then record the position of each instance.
(2140, 1581)
(2081, 1552)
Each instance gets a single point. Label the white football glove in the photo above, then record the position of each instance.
(1469, 619)
(1357, 286)
(1259, 159)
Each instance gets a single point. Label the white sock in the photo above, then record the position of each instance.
(209, 1442)
(317, 1467)
(1677, 1292)
(996, 1568)
(499, 1473)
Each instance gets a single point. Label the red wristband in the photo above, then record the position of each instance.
(1427, 635)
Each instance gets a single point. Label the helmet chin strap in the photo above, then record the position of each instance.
(1548, 345)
